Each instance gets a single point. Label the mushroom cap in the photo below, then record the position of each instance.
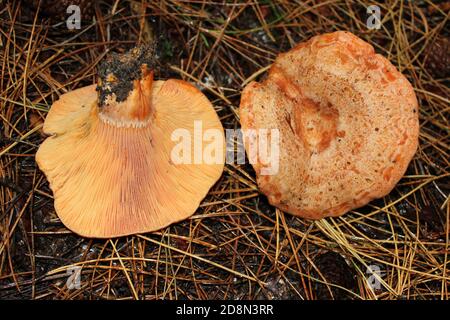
(111, 181)
(348, 125)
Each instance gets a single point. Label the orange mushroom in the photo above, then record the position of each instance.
(348, 124)
(109, 155)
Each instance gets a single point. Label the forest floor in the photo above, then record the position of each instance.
(236, 246)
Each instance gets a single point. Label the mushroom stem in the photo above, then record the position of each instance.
(125, 87)
(140, 108)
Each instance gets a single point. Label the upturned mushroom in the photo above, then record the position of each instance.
(109, 157)
(348, 124)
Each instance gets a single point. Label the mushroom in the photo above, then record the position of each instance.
(109, 158)
(347, 120)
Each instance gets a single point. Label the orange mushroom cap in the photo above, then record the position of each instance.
(108, 159)
(348, 123)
